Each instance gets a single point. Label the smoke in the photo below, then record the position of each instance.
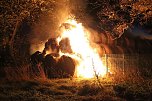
(79, 9)
(138, 32)
(49, 22)
(47, 25)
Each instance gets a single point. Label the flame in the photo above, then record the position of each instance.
(89, 62)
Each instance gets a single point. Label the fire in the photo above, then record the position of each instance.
(89, 63)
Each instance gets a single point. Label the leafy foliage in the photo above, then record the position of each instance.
(116, 15)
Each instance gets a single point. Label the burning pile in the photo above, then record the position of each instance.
(74, 42)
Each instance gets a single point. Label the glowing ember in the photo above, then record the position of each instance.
(89, 62)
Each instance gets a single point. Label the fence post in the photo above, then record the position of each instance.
(138, 60)
(106, 63)
(123, 64)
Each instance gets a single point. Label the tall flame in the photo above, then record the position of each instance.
(89, 62)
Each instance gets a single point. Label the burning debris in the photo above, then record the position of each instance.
(51, 47)
(72, 53)
(54, 67)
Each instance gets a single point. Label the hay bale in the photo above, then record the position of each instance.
(49, 64)
(65, 66)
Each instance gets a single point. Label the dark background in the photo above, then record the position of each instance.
(125, 27)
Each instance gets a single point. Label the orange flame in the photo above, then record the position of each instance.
(89, 62)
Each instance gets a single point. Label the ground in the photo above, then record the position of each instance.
(75, 90)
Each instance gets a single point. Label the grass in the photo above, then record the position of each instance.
(75, 90)
(24, 84)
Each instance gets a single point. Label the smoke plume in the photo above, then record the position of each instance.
(141, 33)
(49, 22)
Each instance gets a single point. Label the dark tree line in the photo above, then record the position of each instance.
(116, 15)
(17, 19)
